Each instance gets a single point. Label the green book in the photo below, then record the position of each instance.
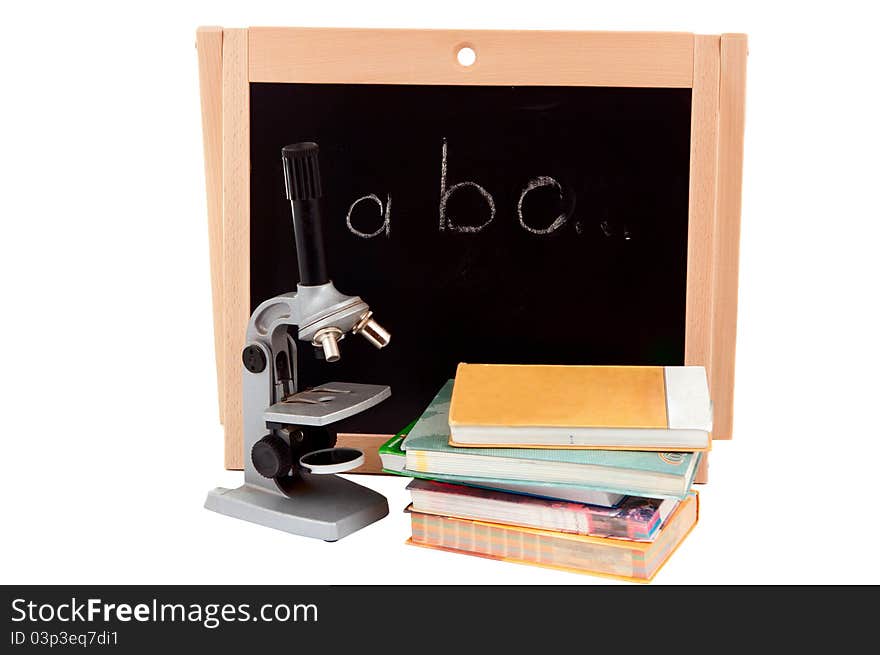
(391, 452)
(637, 473)
(394, 461)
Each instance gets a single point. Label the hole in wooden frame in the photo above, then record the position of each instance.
(465, 55)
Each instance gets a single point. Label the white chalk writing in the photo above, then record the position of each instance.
(537, 183)
(386, 212)
(446, 194)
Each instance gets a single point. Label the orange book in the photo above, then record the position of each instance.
(636, 561)
(663, 408)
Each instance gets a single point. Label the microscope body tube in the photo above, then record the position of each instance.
(302, 184)
(309, 235)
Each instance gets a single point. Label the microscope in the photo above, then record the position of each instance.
(290, 458)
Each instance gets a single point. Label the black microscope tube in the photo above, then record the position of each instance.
(302, 184)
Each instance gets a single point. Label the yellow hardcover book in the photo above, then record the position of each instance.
(621, 559)
(663, 408)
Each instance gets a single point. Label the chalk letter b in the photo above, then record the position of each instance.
(446, 194)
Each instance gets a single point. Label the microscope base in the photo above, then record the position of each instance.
(321, 506)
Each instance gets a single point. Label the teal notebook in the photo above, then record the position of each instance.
(394, 461)
(639, 473)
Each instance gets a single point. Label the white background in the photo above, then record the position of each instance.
(109, 407)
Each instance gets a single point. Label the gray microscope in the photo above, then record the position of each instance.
(289, 454)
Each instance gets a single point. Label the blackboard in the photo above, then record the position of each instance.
(566, 241)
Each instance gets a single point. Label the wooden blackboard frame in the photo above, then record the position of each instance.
(712, 66)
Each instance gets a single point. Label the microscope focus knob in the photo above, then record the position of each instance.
(271, 456)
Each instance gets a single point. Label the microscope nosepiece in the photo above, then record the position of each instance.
(372, 331)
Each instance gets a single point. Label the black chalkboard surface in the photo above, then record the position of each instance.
(482, 224)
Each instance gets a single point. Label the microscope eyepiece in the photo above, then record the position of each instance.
(302, 176)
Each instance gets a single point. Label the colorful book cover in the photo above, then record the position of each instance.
(637, 519)
(640, 473)
(629, 560)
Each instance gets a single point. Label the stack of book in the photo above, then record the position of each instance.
(585, 468)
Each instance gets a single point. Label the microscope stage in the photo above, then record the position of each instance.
(326, 403)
